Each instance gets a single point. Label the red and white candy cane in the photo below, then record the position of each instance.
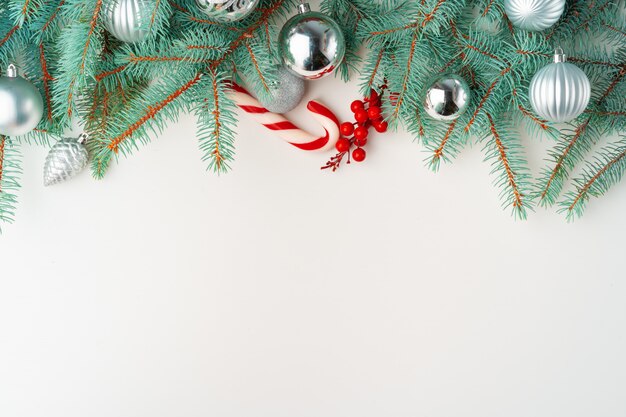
(286, 129)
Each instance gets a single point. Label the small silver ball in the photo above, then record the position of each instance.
(21, 105)
(285, 94)
(447, 98)
(227, 10)
(312, 44)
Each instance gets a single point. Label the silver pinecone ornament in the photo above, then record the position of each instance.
(67, 158)
(560, 92)
(534, 15)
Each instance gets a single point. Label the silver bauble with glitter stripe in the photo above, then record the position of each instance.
(227, 10)
(284, 94)
(66, 158)
(560, 92)
(534, 15)
(128, 20)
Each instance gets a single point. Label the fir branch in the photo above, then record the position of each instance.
(47, 79)
(598, 178)
(485, 97)
(8, 35)
(150, 113)
(405, 82)
(9, 170)
(514, 176)
(215, 117)
(439, 151)
(550, 189)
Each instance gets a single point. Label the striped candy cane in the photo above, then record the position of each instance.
(286, 129)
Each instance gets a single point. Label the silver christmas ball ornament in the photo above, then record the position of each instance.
(66, 158)
(447, 98)
(312, 44)
(227, 10)
(21, 104)
(284, 94)
(128, 20)
(534, 15)
(560, 92)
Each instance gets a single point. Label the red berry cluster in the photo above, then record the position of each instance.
(367, 113)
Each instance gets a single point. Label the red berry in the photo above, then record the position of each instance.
(361, 116)
(373, 97)
(358, 154)
(343, 145)
(360, 132)
(381, 126)
(356, 105)
(360, 142)
(373, 112)
(346, 128)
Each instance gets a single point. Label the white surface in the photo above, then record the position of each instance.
(279, 290)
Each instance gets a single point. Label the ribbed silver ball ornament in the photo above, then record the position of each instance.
(66, 158)
(21, 104)
(447, 97)
(128, 20)
(534, 15)
(560, 92)
(227, 10)
(284, 94)
(312, 44)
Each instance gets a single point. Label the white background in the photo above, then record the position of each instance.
(279, 290)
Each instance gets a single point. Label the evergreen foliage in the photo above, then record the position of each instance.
(123, 94)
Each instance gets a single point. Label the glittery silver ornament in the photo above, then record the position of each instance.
(284, 94)
(227, 10)
(128, 20)
(447, 98)
(312, 44)
(534, 15)
(21, 104)
(560, 92)
(66, 158)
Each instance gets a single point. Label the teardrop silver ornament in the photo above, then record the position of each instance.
(560, 92)
(534, 15)
(66, 158)
(128, 20)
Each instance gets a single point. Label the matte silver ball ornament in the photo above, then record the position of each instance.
(284, 94)
(560, 92)
(312, 44)
(21, 104)
(447, 98)
(128, 20)
(227, 10)
(66, 158)
(534, 15)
